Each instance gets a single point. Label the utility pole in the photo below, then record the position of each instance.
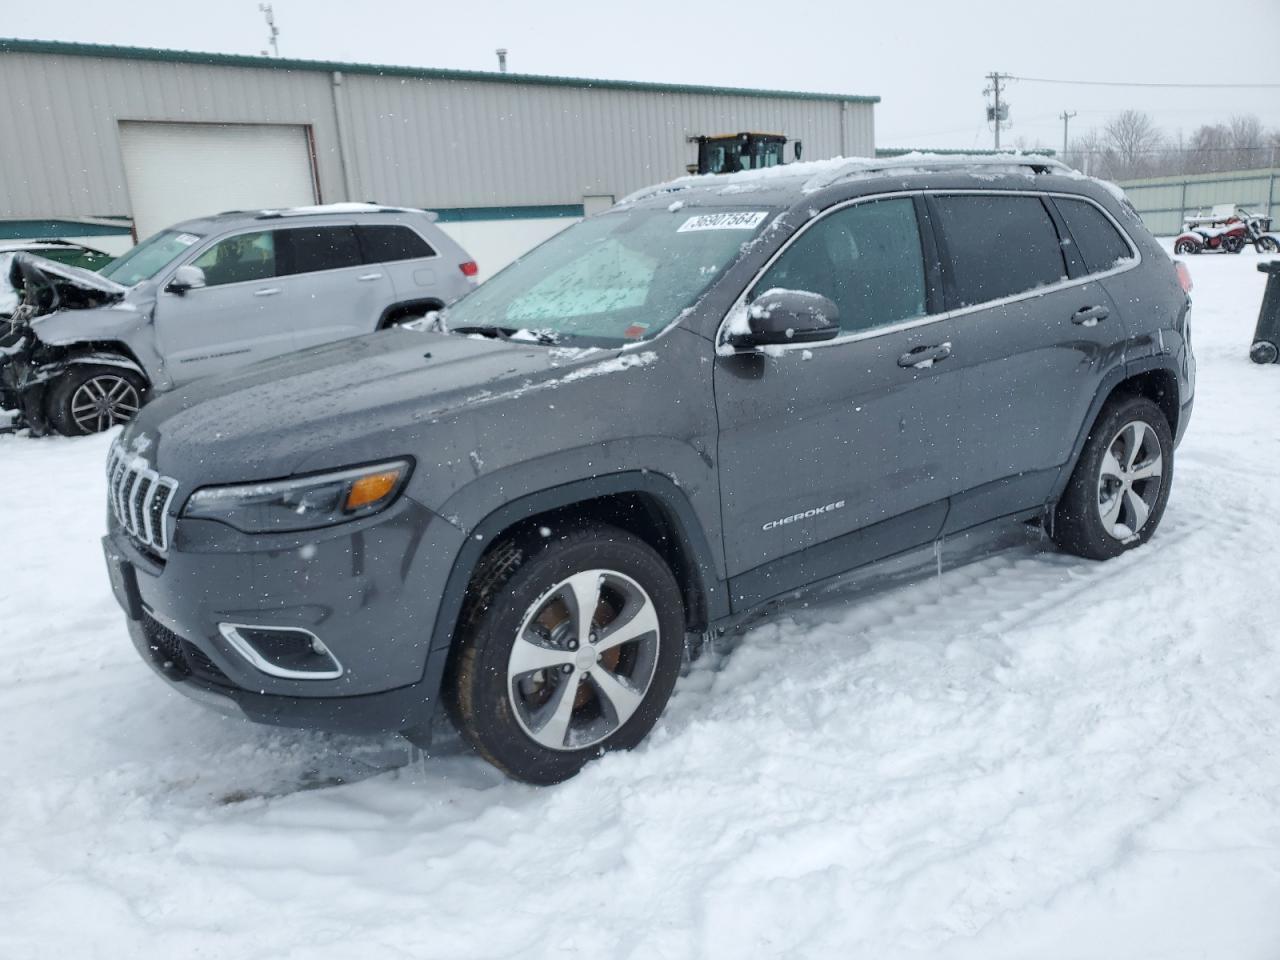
(1066, 118)
(1000, 112)
(270, 16)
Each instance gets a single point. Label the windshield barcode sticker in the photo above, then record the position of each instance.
(741, 220)
(186, 239)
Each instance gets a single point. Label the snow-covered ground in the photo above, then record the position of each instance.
(1031, 756)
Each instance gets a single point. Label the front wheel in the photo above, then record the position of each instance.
(1118, 491)
(569, 647)
(90, 399)
(1267, 245)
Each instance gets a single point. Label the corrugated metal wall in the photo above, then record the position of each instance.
(1164, 201)
(416, 141)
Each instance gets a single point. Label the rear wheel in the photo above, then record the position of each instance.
(569, 647)
(1233, 244)
(89, 399)
(1118, 491)
(1263, 351)
(1186, 246)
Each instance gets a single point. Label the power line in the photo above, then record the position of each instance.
(1126, 83)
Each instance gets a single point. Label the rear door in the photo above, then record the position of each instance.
(414, 266)
(838, 453)
(1035, 336)
(338, 294)
(241, 315)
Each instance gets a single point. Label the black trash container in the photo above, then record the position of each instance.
(1266, 339)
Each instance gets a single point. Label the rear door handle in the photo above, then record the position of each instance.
(924, 357)
(266, 292)
(1089, 316)
(369, 276)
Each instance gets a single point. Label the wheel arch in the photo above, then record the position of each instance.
(405, 308)
(1154, 378)
(648, 505)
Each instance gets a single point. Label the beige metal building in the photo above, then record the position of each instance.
(116, 142)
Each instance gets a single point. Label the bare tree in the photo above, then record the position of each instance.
(1134, 139)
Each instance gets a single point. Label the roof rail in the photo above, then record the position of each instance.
(930, 162)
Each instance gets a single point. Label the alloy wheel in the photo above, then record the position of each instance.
(103, 402)
(583, 660)
(1130, 479)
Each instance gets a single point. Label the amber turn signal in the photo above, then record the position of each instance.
(370, 489)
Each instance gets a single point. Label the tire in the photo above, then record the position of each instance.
(1263, 351)
(1267, 245)
(533, 692)
(89, 399)
(1184, 247)
(1113, 488)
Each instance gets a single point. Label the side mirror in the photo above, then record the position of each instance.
(186, 277)
(797, 146)
(777, 317)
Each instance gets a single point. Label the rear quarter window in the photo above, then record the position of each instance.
(1100, 244)
(387, 243)
(997, 246)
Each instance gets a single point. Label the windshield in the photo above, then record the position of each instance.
(613, 279)
(149, 257)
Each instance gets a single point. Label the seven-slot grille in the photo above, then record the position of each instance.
(140, 499)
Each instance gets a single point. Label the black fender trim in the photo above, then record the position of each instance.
(1118, 375)
(691, 539)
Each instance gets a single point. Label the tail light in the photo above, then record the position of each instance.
(469, 269)
(1184, 275)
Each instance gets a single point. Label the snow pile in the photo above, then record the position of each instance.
(1031, 756)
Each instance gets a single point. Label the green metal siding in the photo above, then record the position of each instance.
(1163, 202)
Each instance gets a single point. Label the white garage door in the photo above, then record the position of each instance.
(177, 171)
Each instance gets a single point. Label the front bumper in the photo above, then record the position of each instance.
(369, 589)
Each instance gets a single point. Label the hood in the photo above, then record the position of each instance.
(329, 404)
(52, 286)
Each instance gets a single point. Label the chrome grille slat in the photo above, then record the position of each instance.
(139, 499)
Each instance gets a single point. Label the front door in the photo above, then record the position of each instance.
(838, 453)
(242, 314)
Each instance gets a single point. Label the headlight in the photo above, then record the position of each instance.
(304, 503)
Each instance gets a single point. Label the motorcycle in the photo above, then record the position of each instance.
(1228, 229)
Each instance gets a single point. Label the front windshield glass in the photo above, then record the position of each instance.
(149, 257)
(615, 278)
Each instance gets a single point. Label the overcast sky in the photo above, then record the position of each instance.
(925, 58)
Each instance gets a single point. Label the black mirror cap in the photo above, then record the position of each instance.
(778, 317)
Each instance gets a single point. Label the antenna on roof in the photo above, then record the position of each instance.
(502, 59)
(270, 16)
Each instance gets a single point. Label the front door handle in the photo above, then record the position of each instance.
(364, 277)
(266, 292)
(923, 357)
(1089, 316)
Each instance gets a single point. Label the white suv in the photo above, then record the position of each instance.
(211, 295)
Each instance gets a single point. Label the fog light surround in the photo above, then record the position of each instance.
(292, 653)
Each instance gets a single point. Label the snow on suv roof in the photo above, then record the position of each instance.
(321, 209)
(814, 175)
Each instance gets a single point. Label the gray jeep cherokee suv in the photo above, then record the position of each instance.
(717, 393)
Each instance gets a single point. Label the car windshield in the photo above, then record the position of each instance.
(149, 257)
(615, 278)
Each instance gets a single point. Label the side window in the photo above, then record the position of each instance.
(998, 246)
(866, 259)
(244, 257)
(1100, 244)
(311, 249)
(387, 243)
